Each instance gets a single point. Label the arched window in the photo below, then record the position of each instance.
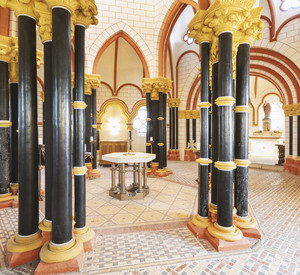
(139, 122)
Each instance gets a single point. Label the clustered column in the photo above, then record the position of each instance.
(5, 123)
(202, 220)
(173, 104)
(292, 122)
(220, 34)
(156, 90)
(55, 20)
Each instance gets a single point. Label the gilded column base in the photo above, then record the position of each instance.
(202, 222)
(87, 236)
(212, 208)
(54, 254)
(247, 222)
(46, 227)
(20, 250)
(225, 233)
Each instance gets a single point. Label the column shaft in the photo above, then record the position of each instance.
(214, 133)
(62, 174)
(164, 130)
(241, 129)
(94, 130)
(204, 153)
(176, 127)
(187, 132)
(225, 201)
(194, 123)
(88, 126)
(171, 128)
(4, 131)
(28, 132)
(48, 128)
(298, 136)
(14, 132)
(291, 136)
(148, 123)
(79, 127)
(160, 131)
(154, 128)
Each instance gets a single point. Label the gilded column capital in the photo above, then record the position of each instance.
(95, 81)
(25, 7)
(228, 15)
(147, 85)
(86, 13)
(156, 85)
(8, 49)
(44, 21)
(162, 84)
(173, 102)
(251, 29)
(291, 109)
(91, 81)
(197, 29)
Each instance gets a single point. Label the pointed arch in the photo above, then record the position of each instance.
(130, 41)
(168, 25)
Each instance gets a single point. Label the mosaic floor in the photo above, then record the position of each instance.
(150, 236)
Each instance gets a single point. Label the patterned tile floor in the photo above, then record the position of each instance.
(150, 236)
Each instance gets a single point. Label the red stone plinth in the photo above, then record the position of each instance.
(251, 233)
(198, 232)
(73, 265)
(89, 245)
(189, 155)
(15, 259)
(47, 236)
(288, 164)
(94, 174)
(221, 245)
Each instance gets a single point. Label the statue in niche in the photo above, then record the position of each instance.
(267, 120)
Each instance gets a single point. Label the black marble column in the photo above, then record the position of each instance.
(241, 129)
(4, 129)
(28, 131)
(161, 131)
(194, 128)
(148, 123)
(62, 166)
(165, 130)
(187, 133)
(79, 128)
(176, 128)
(204, 140)
(48, 128)
(171, 128)
(298, 136)
(154, 128)
(214, 133)
(14, 132)
(88, 126)
(291, 135)
(94, 129)
(225, 136)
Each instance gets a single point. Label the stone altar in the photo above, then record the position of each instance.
(138, 161)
